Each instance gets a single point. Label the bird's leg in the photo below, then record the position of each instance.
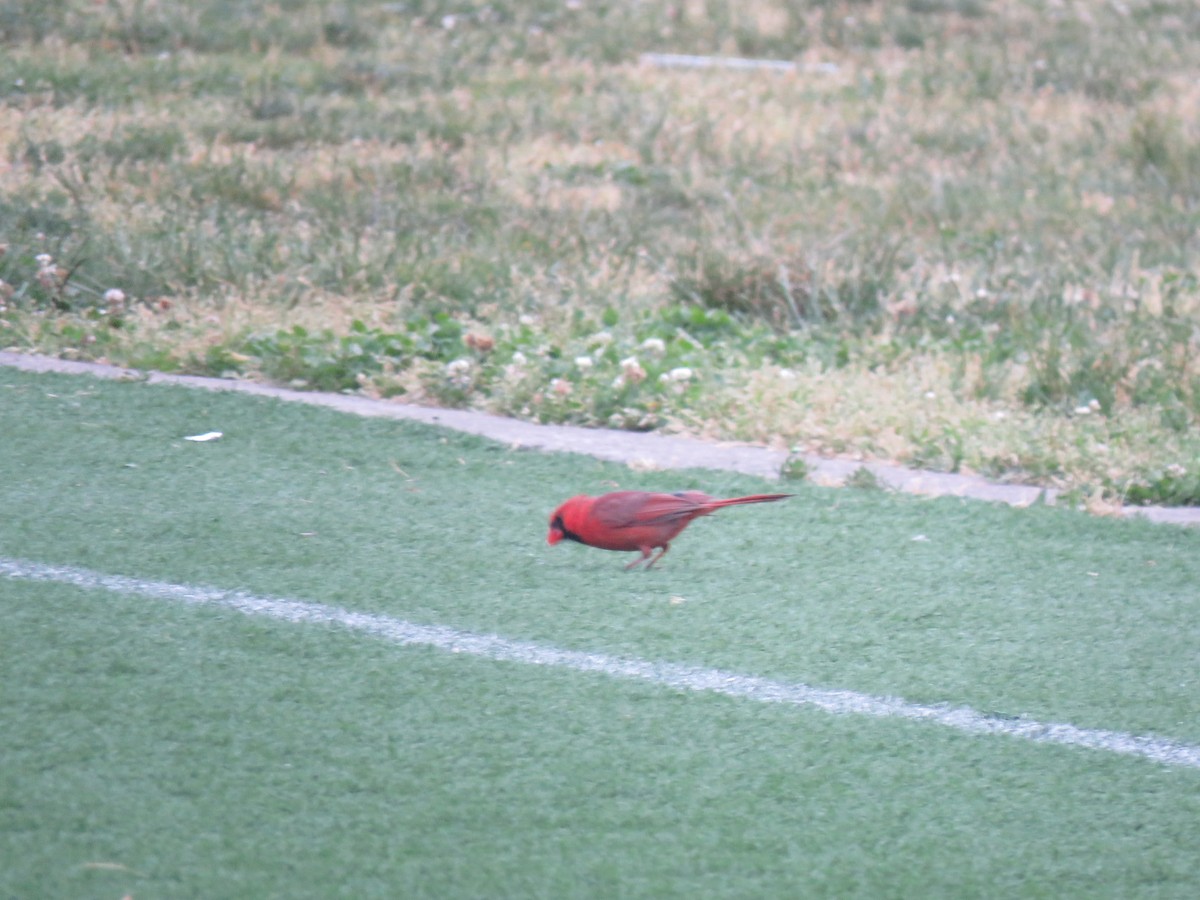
(641, 559)
(661, 554)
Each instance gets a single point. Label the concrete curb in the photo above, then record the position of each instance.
(640, 450)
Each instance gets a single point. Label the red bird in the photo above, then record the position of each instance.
(636, 520)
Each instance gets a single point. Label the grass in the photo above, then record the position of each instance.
(972, 247)
(313, 764)
(168, 750)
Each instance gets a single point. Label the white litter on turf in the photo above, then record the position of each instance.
(671, 675)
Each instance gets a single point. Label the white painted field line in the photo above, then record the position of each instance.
(672, 675)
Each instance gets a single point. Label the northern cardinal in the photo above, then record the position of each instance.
(636, 520)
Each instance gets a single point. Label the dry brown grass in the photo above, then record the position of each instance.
(982, 224)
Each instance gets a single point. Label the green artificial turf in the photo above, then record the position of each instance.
(165, 750)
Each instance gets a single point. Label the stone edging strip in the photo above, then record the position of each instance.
(637, 449)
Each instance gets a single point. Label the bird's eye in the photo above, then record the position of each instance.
(558, 523)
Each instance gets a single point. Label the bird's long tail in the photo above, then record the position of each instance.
(752, 498)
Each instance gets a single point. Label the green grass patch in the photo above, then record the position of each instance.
(993, 203)
(179, 751)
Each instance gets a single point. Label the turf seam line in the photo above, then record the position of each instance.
(672, 675)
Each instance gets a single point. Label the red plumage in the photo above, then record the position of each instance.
(636, 520)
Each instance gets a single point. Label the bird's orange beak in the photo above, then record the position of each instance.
(558, 528)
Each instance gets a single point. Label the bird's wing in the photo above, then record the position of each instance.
(628, 509)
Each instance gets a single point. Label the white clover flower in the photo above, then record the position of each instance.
(603, 338)
(654, 345)
(583, 362)
(560, 387)
(787, 374)
(459, 372)
(682, 373)
(519, 359)
(114, 297)
(632, 370)
(44, 260)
